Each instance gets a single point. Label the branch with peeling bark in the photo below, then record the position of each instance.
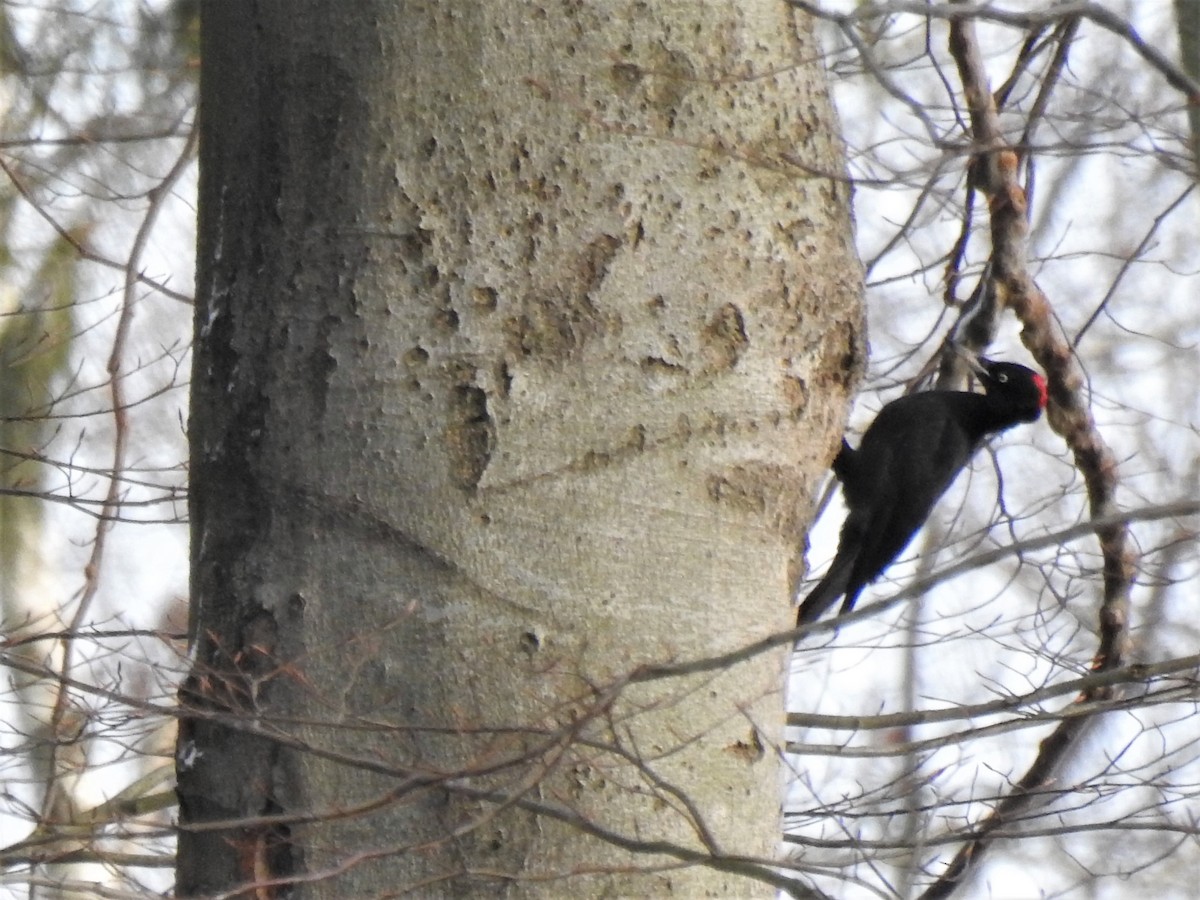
(995, 174)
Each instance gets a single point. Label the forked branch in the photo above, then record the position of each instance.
(995, 170)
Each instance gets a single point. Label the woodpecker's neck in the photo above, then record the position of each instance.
(1002, 411)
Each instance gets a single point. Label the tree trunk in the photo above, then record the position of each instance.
(524, 334)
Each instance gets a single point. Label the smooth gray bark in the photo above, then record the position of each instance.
(524, 334)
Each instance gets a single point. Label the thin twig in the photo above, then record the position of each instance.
(1033, 18)
(1135, 674)
(84, 252)
(113, 499)
(1128, 262)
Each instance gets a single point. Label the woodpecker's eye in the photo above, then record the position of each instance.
(1002, 378)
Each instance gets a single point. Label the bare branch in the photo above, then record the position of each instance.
(1034, 18)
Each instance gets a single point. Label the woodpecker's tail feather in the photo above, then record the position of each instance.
(832, 586)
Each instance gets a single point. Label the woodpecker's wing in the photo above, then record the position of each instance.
(922, 459)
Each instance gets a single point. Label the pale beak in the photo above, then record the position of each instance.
(976, 365)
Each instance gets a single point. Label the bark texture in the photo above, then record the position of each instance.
(525, 331)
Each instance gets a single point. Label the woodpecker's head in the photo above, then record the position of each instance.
(1017, 387)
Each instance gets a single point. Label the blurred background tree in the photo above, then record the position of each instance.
(97, 102)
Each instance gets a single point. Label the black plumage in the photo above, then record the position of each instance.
(907, 459)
